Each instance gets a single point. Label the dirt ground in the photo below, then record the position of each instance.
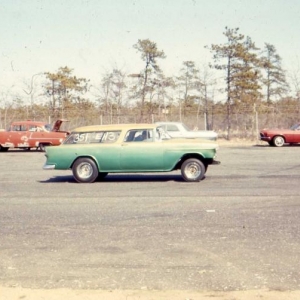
(65, 294)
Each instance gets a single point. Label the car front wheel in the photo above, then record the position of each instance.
(85, 170)
(192, 170)
(278, 141)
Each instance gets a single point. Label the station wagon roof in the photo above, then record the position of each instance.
(115, 127)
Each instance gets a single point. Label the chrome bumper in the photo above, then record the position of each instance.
(265, 139)
(48, 167)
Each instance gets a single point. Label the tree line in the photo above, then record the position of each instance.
(239, 71)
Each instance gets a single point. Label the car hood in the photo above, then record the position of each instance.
(277, 131)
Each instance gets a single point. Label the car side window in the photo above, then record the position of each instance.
(36, 128)
(19, 128)
(16, 128)
(93, 137)
(32, 128)
(172, 127)
(140, 135)
(110, 136)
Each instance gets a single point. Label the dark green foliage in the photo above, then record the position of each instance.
(253, 82)
(63, 88)
(238, 59)
(274, 80)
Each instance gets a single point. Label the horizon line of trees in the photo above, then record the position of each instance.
(240, 72)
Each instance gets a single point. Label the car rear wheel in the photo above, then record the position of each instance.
(85, 170)
(192, 170)
(278, 141)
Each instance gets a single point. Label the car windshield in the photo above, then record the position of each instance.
(186, 128)
(162, 134)
(295, 127)
(48, 127)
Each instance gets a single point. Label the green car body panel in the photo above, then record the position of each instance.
(116, 153)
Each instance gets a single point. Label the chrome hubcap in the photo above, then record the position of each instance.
(192, 171)
(279, 141)
(85, 170)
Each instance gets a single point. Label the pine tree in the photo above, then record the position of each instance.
(149, 54)
(238, 58)
(275, 80)
(63, 88)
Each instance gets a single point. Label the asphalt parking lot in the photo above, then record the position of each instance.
(238, 229)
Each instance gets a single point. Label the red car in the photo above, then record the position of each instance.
(279, 137)
(32, 134)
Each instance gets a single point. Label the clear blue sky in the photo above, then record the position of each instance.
(93, 36)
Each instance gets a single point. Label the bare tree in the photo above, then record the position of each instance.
(206, 86)
(31, 90)
(187, 83)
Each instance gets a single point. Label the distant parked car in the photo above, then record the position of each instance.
(180, 130)
(279, 137)
(32, 134)
(92, 152)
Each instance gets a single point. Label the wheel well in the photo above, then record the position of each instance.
(3, 149)
(44, 144)
(275, 136)
(190, 155)
(90, 157)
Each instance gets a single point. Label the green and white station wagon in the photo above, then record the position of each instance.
(91, 152)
